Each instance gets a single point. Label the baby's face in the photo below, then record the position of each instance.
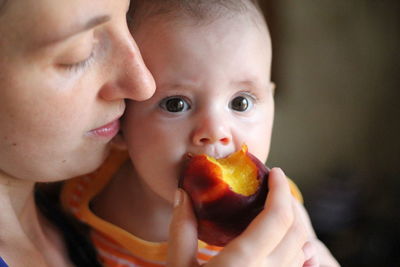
(213, 94)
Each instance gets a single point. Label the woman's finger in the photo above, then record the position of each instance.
(325, 257)
(268, 229)
(182, 244)
(293, 242)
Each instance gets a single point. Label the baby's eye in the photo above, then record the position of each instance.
(174, 104)
(241, 103)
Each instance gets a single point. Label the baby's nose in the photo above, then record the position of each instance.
(211, 131)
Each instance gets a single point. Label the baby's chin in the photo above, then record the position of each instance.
(168, 197)
(167, 193)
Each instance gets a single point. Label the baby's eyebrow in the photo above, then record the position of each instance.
(247, 83)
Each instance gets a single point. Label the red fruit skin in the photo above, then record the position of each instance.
(222, 214)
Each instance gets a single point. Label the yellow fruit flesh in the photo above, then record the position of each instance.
(239, 172)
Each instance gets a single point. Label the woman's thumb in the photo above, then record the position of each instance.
(182, 244)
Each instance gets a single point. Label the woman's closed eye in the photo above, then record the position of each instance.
(80, 54)
(80, 65)
(175, 104)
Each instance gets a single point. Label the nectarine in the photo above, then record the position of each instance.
(226, 193)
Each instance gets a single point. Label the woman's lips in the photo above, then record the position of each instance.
(106, 131)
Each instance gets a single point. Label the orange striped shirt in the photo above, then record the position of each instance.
(115, 246)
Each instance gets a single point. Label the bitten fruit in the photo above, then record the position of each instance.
(226, 193)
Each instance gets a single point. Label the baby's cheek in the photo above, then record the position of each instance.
(261, 148)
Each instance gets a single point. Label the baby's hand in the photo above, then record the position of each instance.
(317, 253)
(311, 256)
(276, 237)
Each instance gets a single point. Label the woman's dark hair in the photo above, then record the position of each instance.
(75, 234)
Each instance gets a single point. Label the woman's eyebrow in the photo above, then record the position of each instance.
(93, 23)
(75, 29)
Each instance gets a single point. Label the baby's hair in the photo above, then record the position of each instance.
(201, 11)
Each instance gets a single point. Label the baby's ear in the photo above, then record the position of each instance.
(272, 87)
(118, 142)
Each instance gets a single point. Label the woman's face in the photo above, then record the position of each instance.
(65, 69)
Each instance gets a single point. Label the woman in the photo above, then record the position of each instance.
(65, 69)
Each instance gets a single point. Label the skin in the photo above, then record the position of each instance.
(54, 102)
(60, 81)
(276, 237)
(199, 66)
(207, 74)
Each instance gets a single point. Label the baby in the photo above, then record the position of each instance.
(211, 61)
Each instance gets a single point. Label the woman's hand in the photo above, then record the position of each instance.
(319, 253)
(278, 236)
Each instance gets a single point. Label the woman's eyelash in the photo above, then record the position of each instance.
(81, 64)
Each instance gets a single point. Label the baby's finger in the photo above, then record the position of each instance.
(312, 259)
(312, 262)
(310, 254)
(296, 261)
(267, 230)
(182, 244)
(305, 257)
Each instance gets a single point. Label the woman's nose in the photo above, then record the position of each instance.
(211, 131)
(132, 78)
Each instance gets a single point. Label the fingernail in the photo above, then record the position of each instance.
(279, 170)
(178, 197)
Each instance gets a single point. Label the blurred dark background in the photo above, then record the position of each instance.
(336, 133)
